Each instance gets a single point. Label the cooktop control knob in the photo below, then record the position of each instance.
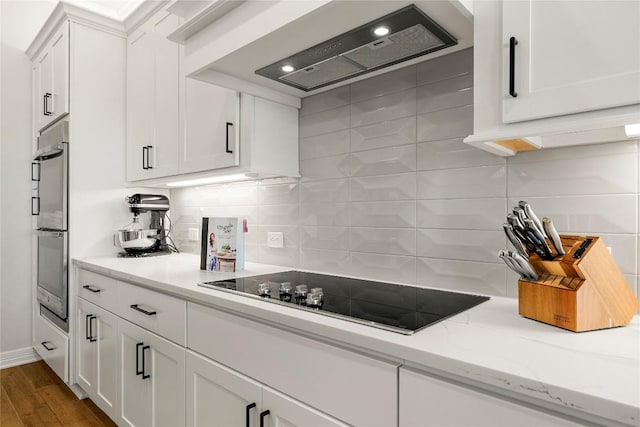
(301, 294)
(314, 298)
(285, 291)
(264, 290)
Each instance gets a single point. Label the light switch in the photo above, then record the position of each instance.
(193, 234)
(275, 239)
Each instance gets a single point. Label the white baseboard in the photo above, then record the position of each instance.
(18, 357)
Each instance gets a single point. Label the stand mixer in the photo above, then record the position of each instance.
(138, 241)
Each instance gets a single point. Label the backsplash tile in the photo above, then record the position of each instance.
(390, 192)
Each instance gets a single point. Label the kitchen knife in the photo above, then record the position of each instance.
(531, 214)
(514, 220)
(515, 241)
(525, 265)
(537, 238)
(553, 235)
(511, 263)
(521, 214)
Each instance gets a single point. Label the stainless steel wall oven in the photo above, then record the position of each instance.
(50, 169)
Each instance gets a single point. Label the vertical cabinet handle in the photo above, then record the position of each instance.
(144, 376)
(250, 406)
(145, 156)
(229, 124)
(138, 371)
(149, 148)
(35, 206)
(91, 337)
(87, 327)
(47, 96)
(262, 415)
(35, 166)
(512, 67)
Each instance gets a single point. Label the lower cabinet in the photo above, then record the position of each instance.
(220, 397)
(152, 380)
(97, 364)
(427, 401)
(52, 345)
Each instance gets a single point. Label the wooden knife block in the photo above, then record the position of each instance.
(578, 294)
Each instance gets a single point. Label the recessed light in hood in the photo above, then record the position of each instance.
(359, 51)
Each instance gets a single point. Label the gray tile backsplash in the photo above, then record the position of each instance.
(390, 192)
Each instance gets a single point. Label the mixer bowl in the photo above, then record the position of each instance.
(136, 240)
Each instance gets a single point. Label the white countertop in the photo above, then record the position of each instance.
(489, 345)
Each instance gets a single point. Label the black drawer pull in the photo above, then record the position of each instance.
(142, 310)
(92, 289)
(262, 415)
(44, 344)
(250, 406)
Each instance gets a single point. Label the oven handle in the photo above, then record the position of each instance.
(50, 151)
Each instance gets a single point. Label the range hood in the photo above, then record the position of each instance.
(259, 35)
(391, 39)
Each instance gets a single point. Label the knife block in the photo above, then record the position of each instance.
(583, 290)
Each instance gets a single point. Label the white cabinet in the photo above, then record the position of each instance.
(52, 79)
(219, 396)
(210, 135)
(152, 379)
(575, 73)
(52, 345)
(570, 57)
(153, 99)
(425, 400)
(97, 360)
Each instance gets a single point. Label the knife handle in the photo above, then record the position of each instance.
(538, 239)
(532, 215)
(553, 235)
(508, 230)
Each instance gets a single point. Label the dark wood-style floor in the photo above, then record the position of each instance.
(32, 395)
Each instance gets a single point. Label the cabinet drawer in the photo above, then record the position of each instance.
(354, 388)
(159, 313)
(52, 345)
(98, 289)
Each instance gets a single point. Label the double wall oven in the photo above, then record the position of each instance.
(50, 170)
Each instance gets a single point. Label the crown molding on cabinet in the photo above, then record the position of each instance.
(142, 14)
(77, 14)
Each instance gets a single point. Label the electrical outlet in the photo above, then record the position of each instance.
(193, 234)
(275, 239)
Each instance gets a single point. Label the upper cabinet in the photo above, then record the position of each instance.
(153, 73)
(566, 57)
(51, 70)
(549, 74)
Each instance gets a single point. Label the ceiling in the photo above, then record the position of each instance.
(116, 9)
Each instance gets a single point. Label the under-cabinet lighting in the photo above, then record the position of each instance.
(287, 68)
(210, 180)
(632, 130)
(381, 31)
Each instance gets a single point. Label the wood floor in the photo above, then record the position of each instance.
(32, 395)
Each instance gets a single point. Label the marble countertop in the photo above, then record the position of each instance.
(490, 345)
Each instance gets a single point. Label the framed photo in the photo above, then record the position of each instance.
(222, 246)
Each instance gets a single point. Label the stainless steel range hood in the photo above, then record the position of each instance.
(391, 39)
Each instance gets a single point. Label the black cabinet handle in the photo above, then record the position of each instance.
(142, 310)
(229, 124)
(512, 67)
(91, 337)
(35, 211)
(250, 406)
(144, 376)
(87, 335)
(92, 289)
(46, 104)
(35, 166)
(44, 344)
(149, 148)
(138, 371)
(262, 415)
(144, 157)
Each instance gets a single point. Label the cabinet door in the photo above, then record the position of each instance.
(44, 79)
(210, 134)
(98, 355)
(570, 57)
(218, 396)
(60, 70)
(283, 411)
(426, 400)
(140, 102)
(152, 381)
(152, 99)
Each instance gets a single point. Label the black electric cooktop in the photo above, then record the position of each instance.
(397, 308)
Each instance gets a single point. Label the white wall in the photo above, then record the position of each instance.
(19, 23)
